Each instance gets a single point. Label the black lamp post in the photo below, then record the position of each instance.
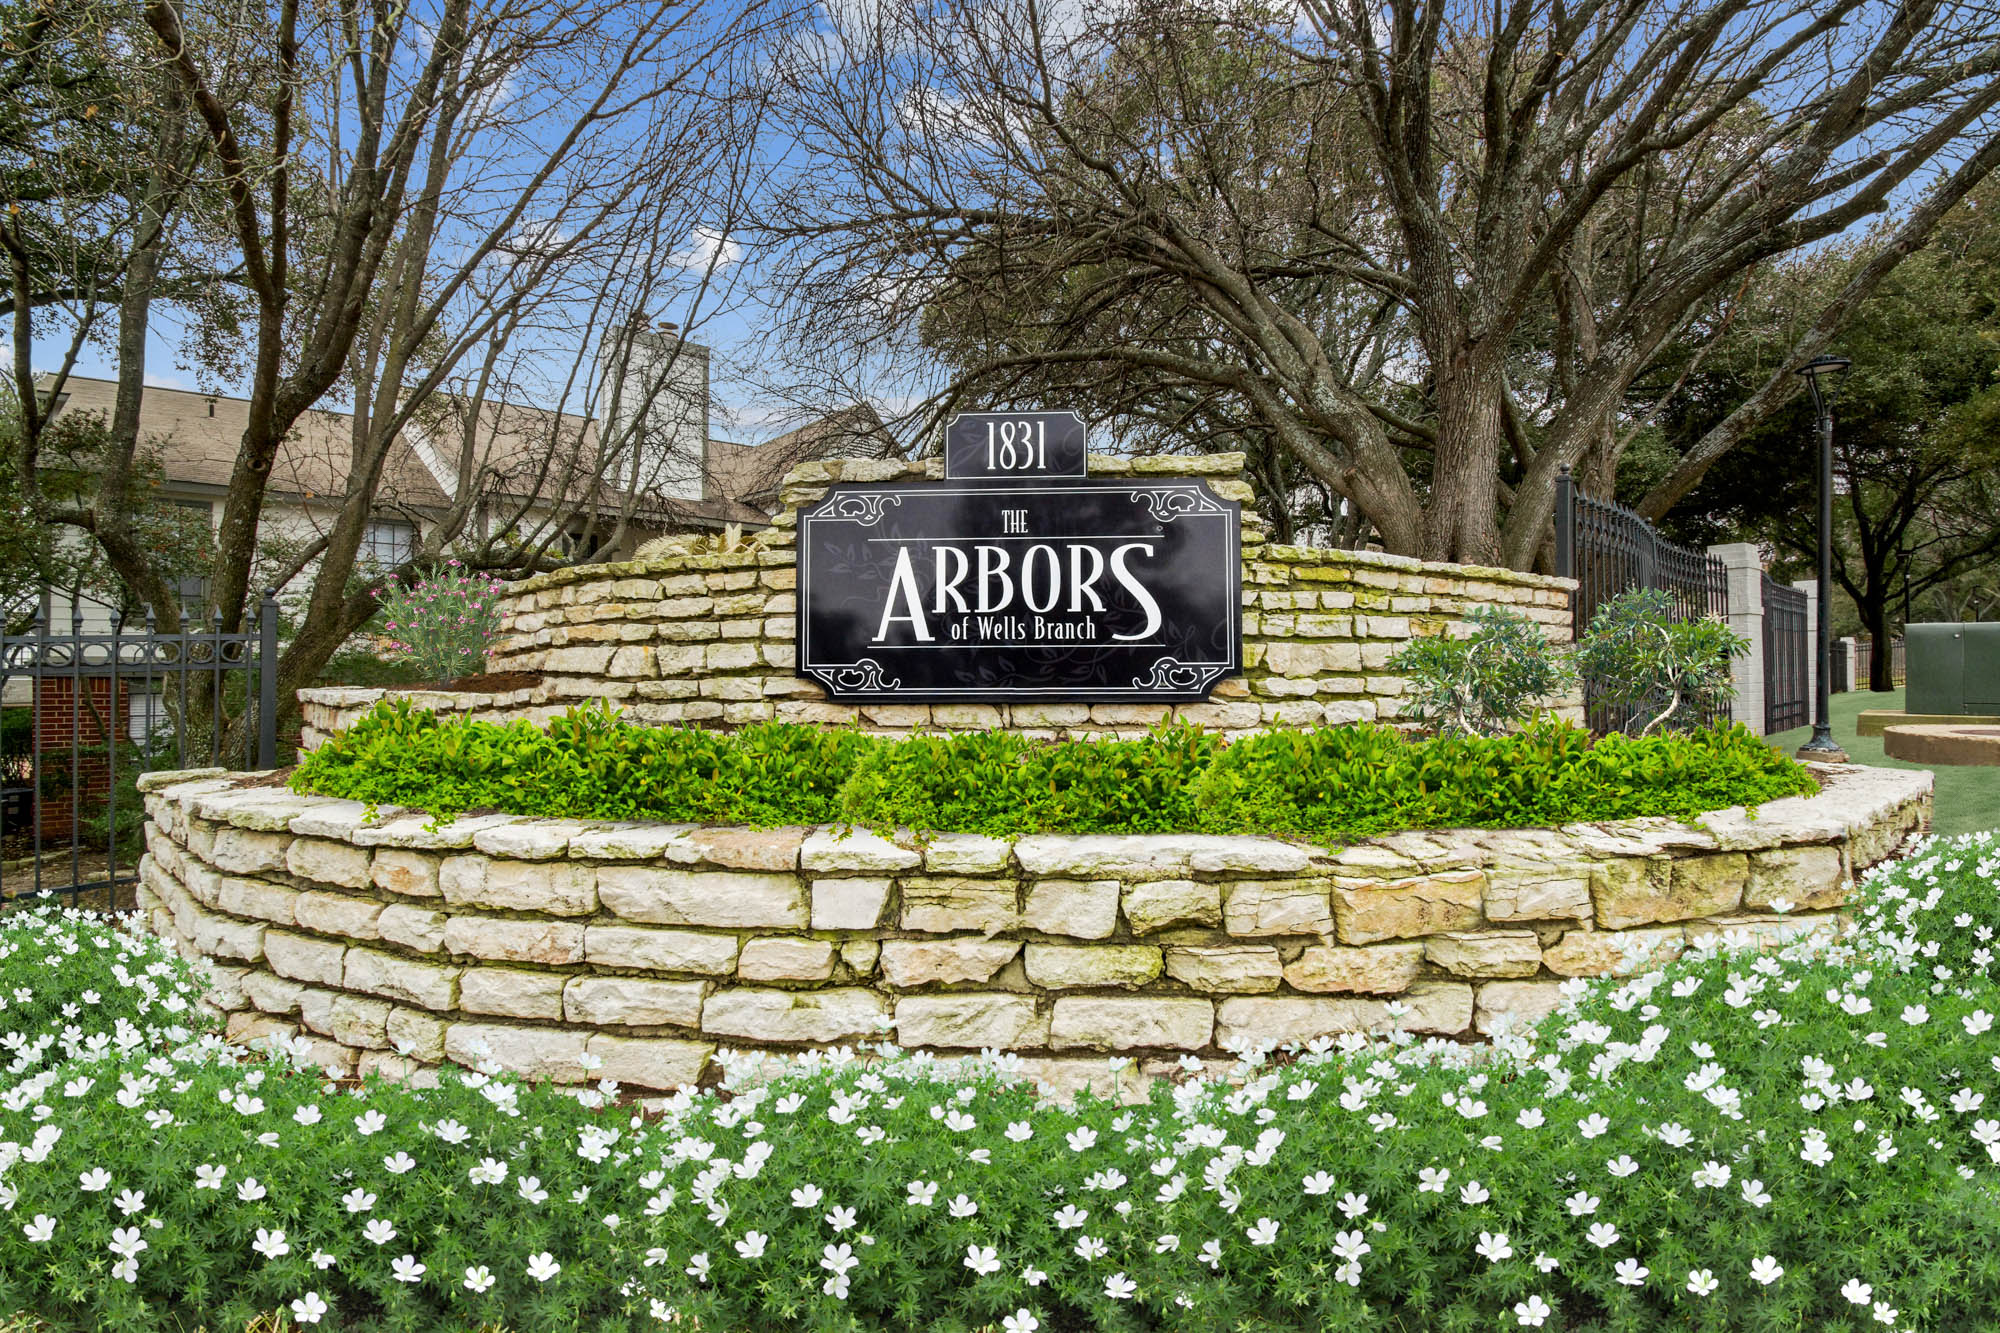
(1821, 746)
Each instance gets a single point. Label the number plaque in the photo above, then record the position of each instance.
(1014, 446)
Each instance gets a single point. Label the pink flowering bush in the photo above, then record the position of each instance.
(443, 622)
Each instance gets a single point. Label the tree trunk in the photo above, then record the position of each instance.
(1881, 668)
(1461, 522)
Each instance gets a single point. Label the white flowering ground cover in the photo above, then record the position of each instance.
(1739, 1141)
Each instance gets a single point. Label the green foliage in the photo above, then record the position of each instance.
(1332, 783)
(443, 621)
(1939, 907)
(1668, 671)
(1486, 683)
(1346, 782)
(1733, 1141)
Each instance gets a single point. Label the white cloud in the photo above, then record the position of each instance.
(705, 250)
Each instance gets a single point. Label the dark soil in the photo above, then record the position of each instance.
(499, 682)
(277, 777)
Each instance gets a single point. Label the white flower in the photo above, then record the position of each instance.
(1020, 1131)
(1431, 1180)
(1766, 1270)
(209, 1177)
(271, 1244)
(1119, 1287)
(407, 1269)
(1069, 1217)
(1581, 1204)
(1701, 1282)
(1263, 1233)
(837, 1259)
(1166, 1244)
(308, 1308)
(357, 1200)
(1631, 1273)
(1754, 1193)
(962, 1206)
(752, 1245)
(129, 1202)
(543, 1266)
(1857, 1291)
(1602, 1234)
(1493, 1247)
(126, 1242)
(1349, 1245)
(1593, 1125)
(379, 1230)
(1080, 1139)
(249, 1191)
(1472, 1192)
(370, 1122)
(840, 1219)
(1211, 1254)
(698, 1267)
(1354, 1205)
(530, 1188)
(1883, 1314)
(488, 1172)
(807, 1196)
(1547, 1263)
(478, 1279)
(1621, 1166)
(95, 1180)
(320, 1259)
(1033, 1276)
(1532, 1312)
(1021, 1321)
(921, 1193)
(399, 1163)
(1712, 1175)
(126, 1270)
(982, 1260)
(1319, 1182)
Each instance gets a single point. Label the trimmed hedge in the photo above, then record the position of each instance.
(1333, 783)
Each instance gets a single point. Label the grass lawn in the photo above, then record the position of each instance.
(1968, 799)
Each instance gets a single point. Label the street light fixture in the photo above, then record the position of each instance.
(1821, 747)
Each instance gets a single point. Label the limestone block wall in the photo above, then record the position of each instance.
(709, 638)
(566, 949)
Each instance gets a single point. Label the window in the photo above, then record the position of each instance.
(388, 542)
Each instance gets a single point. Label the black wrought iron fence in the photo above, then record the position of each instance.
(1608, 550)
(1787, 670)
(91, 711)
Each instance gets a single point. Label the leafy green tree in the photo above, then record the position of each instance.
(1916, 428)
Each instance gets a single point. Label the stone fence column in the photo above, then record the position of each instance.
(1745, 568)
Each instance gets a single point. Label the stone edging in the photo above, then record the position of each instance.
(543, 942)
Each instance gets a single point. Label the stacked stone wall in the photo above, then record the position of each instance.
(709, 639)
(569, 949)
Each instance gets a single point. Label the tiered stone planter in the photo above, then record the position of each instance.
(708, 639)
(540, 943)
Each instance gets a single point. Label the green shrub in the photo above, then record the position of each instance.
(1486, 683)
(1334, 783)
(1669, 672)
(1736, 1141)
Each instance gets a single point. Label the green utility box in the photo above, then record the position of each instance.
(1953, 669)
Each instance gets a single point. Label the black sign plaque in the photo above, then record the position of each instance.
(1058, 591)
(1014, 446)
